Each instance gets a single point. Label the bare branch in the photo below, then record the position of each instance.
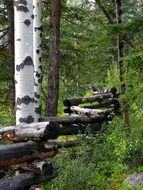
(3, 35)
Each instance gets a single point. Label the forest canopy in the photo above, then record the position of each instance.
(98, 44)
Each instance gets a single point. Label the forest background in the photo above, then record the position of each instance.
(90, 34)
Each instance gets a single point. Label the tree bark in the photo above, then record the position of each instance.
(54, 59)
(77, 101)
(120, 46)
(37, 47)
(26, 180)
(45, 130)
(10, 14)
(88, 111)
(24, 68)
(78, 119)
(113, 104)
(34, 131)
(120, 41)
(18, 153)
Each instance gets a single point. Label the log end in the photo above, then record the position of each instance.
(66, 102)
(52, 131)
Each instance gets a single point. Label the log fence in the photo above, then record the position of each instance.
(30, 145)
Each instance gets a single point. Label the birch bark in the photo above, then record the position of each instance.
(24, 68)
(37, 45)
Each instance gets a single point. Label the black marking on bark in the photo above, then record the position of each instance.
(37, 95)
(37, 51)
(15, 81)
(18, 39)
(33, 7)
(40, 34)
(21, 5)
(40, 59)
(25, 100)
(32, 16)
(40, 45)
(28, 119)
(40, 67)
(38, 75)
(40, 28)
(38, 110)
(35, 84)
(27, 22)
(40, 80)
(27, 62)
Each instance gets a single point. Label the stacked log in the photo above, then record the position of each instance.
(28, 177)
(33, 143)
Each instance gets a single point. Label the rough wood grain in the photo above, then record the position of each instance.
(26, 180)
(17, 153)
(77, 101)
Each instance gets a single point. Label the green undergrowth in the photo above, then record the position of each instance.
(7, 118)
(102, 161)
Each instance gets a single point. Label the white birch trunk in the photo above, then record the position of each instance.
(37, 44)
(24, 68)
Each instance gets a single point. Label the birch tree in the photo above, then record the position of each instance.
(37, 44)
(24, 68)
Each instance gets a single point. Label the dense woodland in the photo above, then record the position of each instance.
(86, 45)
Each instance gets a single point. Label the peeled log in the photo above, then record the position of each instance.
(77, 101)
(113, 104)
(26, 180)
(45, 130)
(18, 153)
(87, 111)
(33, 131)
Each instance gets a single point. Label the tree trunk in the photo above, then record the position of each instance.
(120, 46)
(120, 43)
(54, 59)
(10, 14)
(24, 68)
(37, 46)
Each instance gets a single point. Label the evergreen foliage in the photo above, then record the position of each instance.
(89, 57)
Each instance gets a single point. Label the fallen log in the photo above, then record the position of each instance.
(27, 179)
(77, 119)
(112, 90)
(75, 129)
(34, 131)
(65, 129)
(44, 130)
(88, 111)
(77, 101)
(113, 104)
(12, 154)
